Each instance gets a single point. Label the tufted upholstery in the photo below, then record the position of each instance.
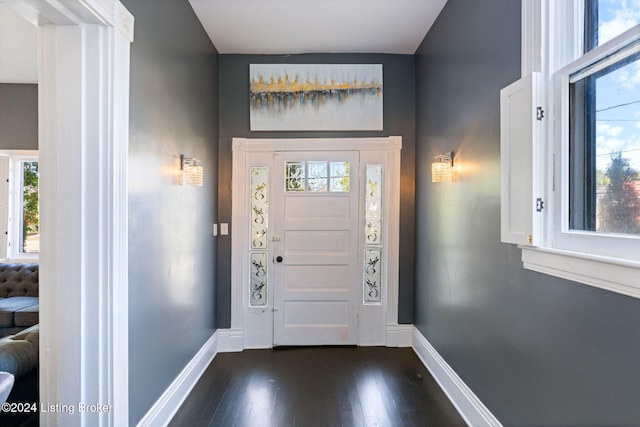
(18, 280)
(18, 297)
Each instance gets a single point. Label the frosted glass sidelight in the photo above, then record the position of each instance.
(258, 279)
(259, 206)
(372, 276)
(373, 205)
(372, 286)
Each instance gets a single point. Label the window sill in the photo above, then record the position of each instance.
(612, 274)
(21, 260)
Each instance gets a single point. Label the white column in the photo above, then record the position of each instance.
(83, 134)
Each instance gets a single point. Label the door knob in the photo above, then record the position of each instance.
(279, 258)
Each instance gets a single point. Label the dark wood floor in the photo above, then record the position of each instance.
(317, 386)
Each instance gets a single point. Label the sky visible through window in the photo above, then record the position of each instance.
(618, 93)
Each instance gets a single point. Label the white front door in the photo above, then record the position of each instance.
(316, 270)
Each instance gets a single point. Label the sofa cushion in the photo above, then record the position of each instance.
(19, 280)
(8, 306)
(27, 316)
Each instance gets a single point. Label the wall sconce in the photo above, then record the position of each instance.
(192, 172)
(442, 168)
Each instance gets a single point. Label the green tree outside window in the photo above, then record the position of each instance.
(30, 211)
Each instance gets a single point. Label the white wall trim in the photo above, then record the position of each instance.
(392, 225)
(399, 336)
(615, 275)
(531, 36)
(471, 409)
(230, 340)
(161, 413)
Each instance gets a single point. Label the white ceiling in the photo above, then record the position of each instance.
(317, 26)
(18, 48)
(265, 27)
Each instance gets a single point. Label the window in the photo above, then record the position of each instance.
(27, 207)
(596, 140)
(587, 53)
(19, 209)
(604, 113)
(317, 176)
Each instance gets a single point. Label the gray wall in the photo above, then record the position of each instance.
(535, 349)
(18, 116)
(399, 113)
(174, 110)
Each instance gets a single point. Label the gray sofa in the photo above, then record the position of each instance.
(19, 357)
(19, 307)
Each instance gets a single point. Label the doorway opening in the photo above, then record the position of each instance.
(315, 241)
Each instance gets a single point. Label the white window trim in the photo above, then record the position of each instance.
(616, 247)
(570, 255)
(15, 199)
(15, 212)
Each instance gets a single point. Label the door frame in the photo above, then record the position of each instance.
(83, 129)
(245, 330)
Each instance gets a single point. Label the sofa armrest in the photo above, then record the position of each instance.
(19, 353)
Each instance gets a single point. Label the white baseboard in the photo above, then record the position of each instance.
(161, 413)
(230, 340)
(399, 335)
(471, 409)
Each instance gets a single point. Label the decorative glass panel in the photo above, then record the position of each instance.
(373, 203)
(372, 286)
(259, 206)
(372, 276)
(340, 176)
(294, 176)
(258, 280)
(317, 176)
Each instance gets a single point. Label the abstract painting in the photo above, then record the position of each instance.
(307, 97)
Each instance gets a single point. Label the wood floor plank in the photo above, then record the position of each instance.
(317, 386)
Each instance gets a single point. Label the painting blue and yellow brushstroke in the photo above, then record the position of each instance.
(316, 96)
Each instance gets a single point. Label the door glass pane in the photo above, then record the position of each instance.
(294, 176)
(318, 175)
(340, 176)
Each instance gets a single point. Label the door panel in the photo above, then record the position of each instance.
(316, 208)
(316, 284)
(317, 277)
